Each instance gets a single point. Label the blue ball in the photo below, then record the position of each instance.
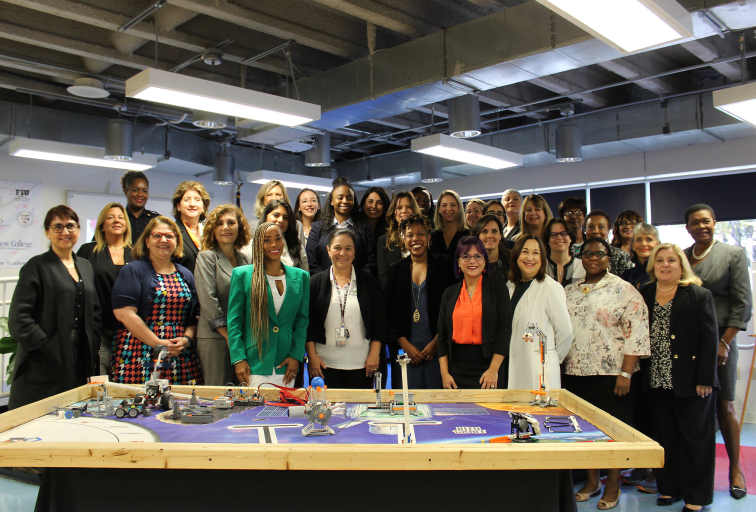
(401, 352)
(317, 382)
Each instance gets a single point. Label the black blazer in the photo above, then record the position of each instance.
(317, 253)
(41, 320)
(497, 318)
(189, 259)
(105, 274)
(515, 231)
(369, 296)
(694, 338)
(399, 302)
(386, 258)
(438, 244)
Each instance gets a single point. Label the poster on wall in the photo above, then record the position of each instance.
(20, 223)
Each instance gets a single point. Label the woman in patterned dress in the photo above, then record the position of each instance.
(680, 377)
(610, 330)
(156, 301)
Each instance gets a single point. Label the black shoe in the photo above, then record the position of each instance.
(666, 502)
(738, 492)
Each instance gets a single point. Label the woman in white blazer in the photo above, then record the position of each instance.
(536, 298)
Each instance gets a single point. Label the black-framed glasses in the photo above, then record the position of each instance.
(501, 215)
(477, 257)
(594, 255)
(628, 223)
(573, 213)
(71, 227)
(562, 234)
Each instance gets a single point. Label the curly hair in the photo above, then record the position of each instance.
(208, 235)
(329, 214)
(291, 235)
(140, 249)
(130, 177)
(100, 235)
(182, 189)
(298, 214)
(410, 221)
(393, 235)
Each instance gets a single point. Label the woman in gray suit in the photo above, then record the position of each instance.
(724, 271)
(225, 232)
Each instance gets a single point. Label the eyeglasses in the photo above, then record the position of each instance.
(628, 223)
(498, 214)
(169, 237)
(594, 255)
(477, 257)
(573, 213)
(71, 227)
(562, 234)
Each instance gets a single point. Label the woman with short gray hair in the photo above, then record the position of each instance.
(512, 200)
(645, 238)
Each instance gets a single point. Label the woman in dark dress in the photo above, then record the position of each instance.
(450, 224)
(374, 204)
(191, 203)
(110, 251)
(156, 301)
(489, 229)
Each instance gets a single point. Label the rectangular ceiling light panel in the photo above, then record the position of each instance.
(75, 154)
(738, 101)
(297, 181)
(194, 93)
(627, 25)
(462, 150)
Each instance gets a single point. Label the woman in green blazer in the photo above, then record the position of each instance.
(268, 309)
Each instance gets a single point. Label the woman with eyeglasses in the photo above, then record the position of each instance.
(489, 229)
(536, 298)
(391, 246)
(534, 216)
(110, 251)
(562, 266)
(597, 224)
(156, 301)
(622, 234)
(54, 316)
(190, 204)
(610, 334)
(474, 323)
(227, 232)
(512, 201)
(573, 209)
(496, 208)
(450, 224)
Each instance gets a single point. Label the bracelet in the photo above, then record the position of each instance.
(626, 375)
(189, 341)
(721, 340)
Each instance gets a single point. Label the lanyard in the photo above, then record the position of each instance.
(342, 306)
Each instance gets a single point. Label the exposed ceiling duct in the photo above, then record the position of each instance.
(119, 140)
(464, 116)
(320, 154)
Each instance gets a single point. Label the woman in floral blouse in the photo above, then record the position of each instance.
(610, 329)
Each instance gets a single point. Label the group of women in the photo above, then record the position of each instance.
(245, 302)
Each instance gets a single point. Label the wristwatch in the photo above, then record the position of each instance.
(627, 375)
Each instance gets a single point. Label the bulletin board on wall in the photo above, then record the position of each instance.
(88, 206)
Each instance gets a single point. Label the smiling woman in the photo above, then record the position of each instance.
(190, 204)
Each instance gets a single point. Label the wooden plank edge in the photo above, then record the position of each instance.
(16, 417)
(608, 424)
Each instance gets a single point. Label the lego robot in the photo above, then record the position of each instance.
(317, 410)
(156, 390)
(542, 398)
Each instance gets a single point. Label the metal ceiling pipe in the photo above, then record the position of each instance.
(320, 154)
(223, 168)
(119, 140)
(430, 170)
(464, 116)
(569, 143)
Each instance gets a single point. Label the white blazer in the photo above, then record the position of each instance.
(545, 304)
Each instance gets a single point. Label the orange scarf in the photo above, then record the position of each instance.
(192, 235)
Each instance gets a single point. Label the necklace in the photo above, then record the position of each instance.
(705, 253)
(667, 290)
(416, 314)
(115, 248)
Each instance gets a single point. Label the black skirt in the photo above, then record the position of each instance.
(467, 365)
(599, 391)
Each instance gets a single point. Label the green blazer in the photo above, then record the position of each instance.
(287, 330)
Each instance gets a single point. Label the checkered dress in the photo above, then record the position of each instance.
(172, 296)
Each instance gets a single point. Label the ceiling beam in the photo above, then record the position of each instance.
(381, 16)
(706, 51)
(628, 71)
(270, 25)
(101, 18)
(563, 86)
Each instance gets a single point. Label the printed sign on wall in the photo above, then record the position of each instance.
(20, 223)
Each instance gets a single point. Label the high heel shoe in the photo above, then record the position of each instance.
(585, 496)
(606, 505)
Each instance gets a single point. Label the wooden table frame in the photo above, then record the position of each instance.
(630, 449)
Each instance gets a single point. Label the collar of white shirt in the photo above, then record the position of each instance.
(352, 279)
(346, 223)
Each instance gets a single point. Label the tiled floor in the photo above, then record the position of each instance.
(21, 497)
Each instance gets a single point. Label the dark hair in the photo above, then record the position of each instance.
(298, 215)
(568, 203)
(340, 232)
(381, 225)
(599, 240)
(547, 234)
(62, 212)
(432, 212)
(243, 236)
(599, 213)
(616, 236)
(697, 208)
(515, 274)
(463, 247)
(130, 177)
(291, 235)
(329, 214)
(484, 219)
(413, 219)
(491, 203)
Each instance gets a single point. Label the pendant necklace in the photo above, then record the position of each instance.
(705, 253)
(416, 314)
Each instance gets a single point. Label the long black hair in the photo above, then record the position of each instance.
(328, 213)
(291, 236)
(381, 225)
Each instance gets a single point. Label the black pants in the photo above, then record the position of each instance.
(347, 379)
(642, 420)
(467, 365)
(684, 427)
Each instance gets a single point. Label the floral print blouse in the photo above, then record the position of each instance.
(609, 321)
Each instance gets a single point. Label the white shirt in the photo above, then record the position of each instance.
(355, 353)
(277, 299)
(286, 257)
(347, 222)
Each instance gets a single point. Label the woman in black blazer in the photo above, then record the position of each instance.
(474, 324)
(347, 319)
(391, 247)
(340, 212)
(416, 283)
(680, 377)
(54, 316)
(191, 203)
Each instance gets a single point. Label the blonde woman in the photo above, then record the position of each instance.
(450, 224)
(268, 313)
(473, 211)
(681, 376)
(190, 205)
(156, 301)
(110, 251)
(227, 231)
(534, 216)
(391, 246)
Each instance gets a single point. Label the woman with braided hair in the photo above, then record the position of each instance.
(268, 310)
